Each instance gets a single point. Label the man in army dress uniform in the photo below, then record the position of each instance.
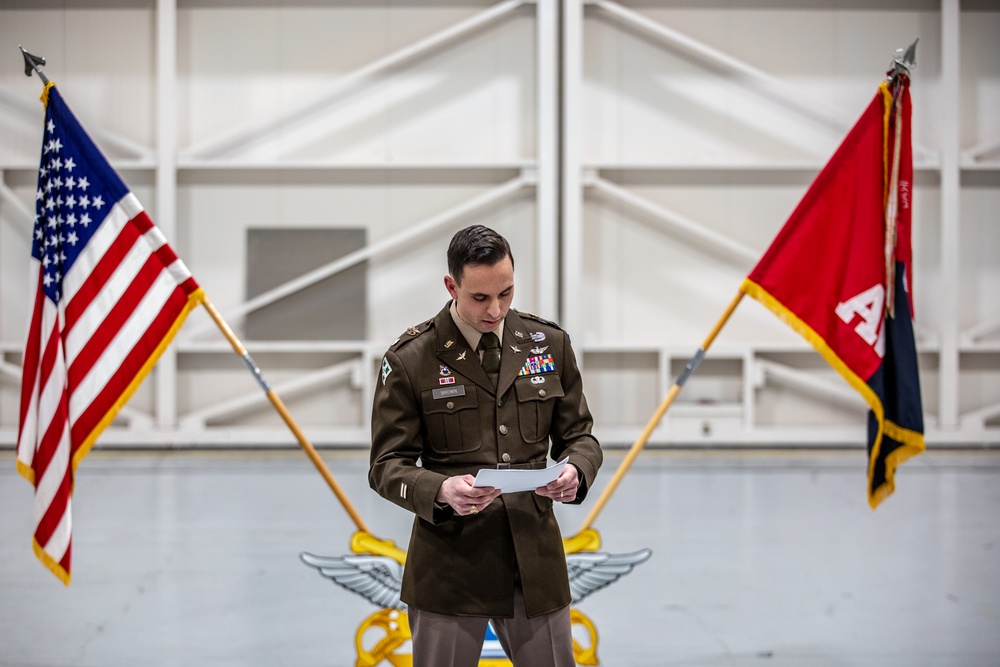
(482, 386)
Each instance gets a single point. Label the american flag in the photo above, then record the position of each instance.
(108, 295)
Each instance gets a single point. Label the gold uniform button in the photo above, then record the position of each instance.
(449, 405)
(503, 429)
(541, 392)
(505, 457)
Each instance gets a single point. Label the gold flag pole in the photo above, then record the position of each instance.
(658, 415)
(363, 540)
(280, 407)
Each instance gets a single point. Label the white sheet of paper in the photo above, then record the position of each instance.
(511, 480)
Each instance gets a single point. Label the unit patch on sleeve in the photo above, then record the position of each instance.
(386, 369)
(540, 364)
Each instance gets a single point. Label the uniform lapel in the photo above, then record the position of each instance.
(454, 352)
(516, 341)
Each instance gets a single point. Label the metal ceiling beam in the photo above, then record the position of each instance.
(710, 239)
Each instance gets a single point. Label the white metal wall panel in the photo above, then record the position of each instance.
(686, 132)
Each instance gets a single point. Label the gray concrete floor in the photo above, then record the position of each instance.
(759, 558)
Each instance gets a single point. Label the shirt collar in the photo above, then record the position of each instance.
(471, 334)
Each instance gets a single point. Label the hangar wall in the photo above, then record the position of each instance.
(639, 155)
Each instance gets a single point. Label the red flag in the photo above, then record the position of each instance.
(109, 295)
(839, 273)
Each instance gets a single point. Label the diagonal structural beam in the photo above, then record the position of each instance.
(983, 152)
(403, 238)
(772, 86)
(227, 142)
(32, 113)
(981, 330)
(251, 400)
(977, 418)
(797, 379)
(10, 370)
(9, 198)
(711, 239)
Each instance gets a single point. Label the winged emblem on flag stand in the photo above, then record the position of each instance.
(375, 572)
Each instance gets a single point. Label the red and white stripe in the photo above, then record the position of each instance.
(122, 300)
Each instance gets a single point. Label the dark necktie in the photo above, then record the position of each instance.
(489, 345)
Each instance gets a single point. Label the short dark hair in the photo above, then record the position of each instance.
(477, 244)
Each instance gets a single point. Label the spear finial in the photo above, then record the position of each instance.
(32, 63)
(903, 60)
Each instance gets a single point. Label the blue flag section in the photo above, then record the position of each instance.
(896, 383)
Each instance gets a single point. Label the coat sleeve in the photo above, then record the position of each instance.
(572, 422)
(397, 444)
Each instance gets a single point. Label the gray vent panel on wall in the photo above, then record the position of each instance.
(332, 309)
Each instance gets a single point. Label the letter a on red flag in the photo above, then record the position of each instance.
(839, 273)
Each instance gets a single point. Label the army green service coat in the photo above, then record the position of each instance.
(435, 415)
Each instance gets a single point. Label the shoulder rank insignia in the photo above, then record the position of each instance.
(411, 333)
(532, 316)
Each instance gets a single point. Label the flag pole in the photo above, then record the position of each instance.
(31, 64)
(283, 411)
(902, 63)
(637, 447)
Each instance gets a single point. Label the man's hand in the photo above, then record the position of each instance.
(563, 488)
(463, 497)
